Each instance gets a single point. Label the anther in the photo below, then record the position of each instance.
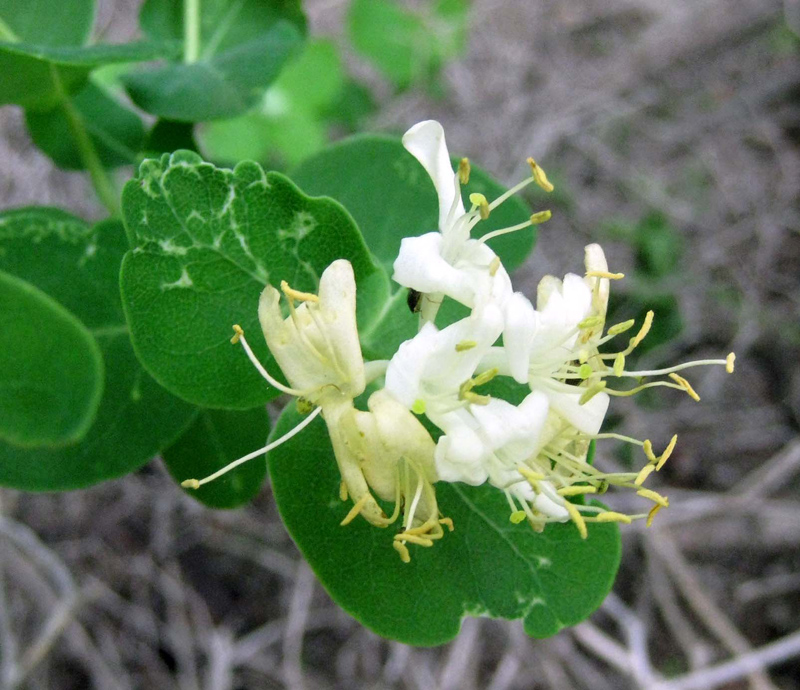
(665, 455)
(447, 522)
(648, 451)
(517, 516)
(643, 331)
(616, 329)
(400, 547)
(683, 383)
(653, 512)
(291, 293)
(539, 176)
(419, 406)
(653, 496)
(612, 516)
(577, 490)
(494, 266)
(463, 170)
(619, 364)
(644, 473)
(342, 491)
(304, 406)
(465, 345)
(591, 322)
(605, 274)
(355, 510)
(541, 217)
(477, 199)
(585, 371)
(591, 392)
(577, 518)
(729, 360)
(529, 474)
(190, 484)
(238, 332)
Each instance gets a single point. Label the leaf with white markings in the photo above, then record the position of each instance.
(206, 242)
(136, 417)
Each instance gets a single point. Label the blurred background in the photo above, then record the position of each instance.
(672, 133)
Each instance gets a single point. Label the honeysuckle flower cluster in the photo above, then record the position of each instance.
(561, 349)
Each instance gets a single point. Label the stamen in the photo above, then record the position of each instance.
(419, 406)
(648, 451)
(729, 360)
(291, 293)
(644, 473)
(304, 406)
(342, 490)
(237, 333)
(640, 336)
(447, 522)
(494, 266)
(355, 510)
(611, 516)
(465, 345)
(510, 192)
(605, 274)
(653, 496)
(517, 516)
(577, 490)
(591, 322)
(239, 337)
(577, 518)
(195, 484)
(504, 231)
(591, 392)
(541, 217)
(665, 455)
(683, 383)
(463, 170)
(653, 512)
(539, 176)
(621, 327)
(619, 364)
(401, 548)
(479, 201)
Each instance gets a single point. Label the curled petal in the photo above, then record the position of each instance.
(586, 418)
(520, 318)
(460, 453)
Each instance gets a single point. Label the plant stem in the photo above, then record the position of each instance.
(191, 31)
(100, 180)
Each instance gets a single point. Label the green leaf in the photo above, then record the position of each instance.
(487, 566)
(216, 438)
(391, 197)
(51, 370)
(167, 136)
(289, 125)
(408, 46)
(207, 240)
(240, 49)
(116, 132)
(38, 76)
(49, 22)
(78, 266)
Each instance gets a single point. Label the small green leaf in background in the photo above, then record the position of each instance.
(290, 123)
(48, 22)
(391, 197)
(136, 417)
(115, 131)
(207, 241)
(216, 438)
(486, 567)
(231, 52)
(51, 370)
(408, 46)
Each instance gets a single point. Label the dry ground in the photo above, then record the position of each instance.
(687, 107)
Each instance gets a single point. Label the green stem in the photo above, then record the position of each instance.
(102, 183)
(191, 31)
(6, 33)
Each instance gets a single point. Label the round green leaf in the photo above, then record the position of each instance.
(51, 370)
(486, 567)
(48, 22)
(206, 242)
(78, 265)
(116, 132)
(241, 49)
(216, 438)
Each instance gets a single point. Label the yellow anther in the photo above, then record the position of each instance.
(541, 217)
(665, 455)
(653, 512)
(643, 331)
(585, 371)
(577, 490)
(400, 547)
(605, 274)
(463, 170)
(465, 345)
(683, 383)
(238, 332)
(447, 522)
(476, 398)
(517, 517)
(648, 451)
(304, 406)
(539, 176)
(291, 293)
(485, 376)
(355, 510)
(342, 491)
(619, 364)
(602, 487)
(583, 356)
(413, 538)
(419, 406)
(577, 518)
(190, 484)
(529, 474)
(618, 328)
(644, 473)
(494, 266)
(591, 392)
(477, 199)
(729, 360)
(591, 322)
(654, 496)
(611, 516)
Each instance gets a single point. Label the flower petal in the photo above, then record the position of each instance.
(520, 318)
(586, 418)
